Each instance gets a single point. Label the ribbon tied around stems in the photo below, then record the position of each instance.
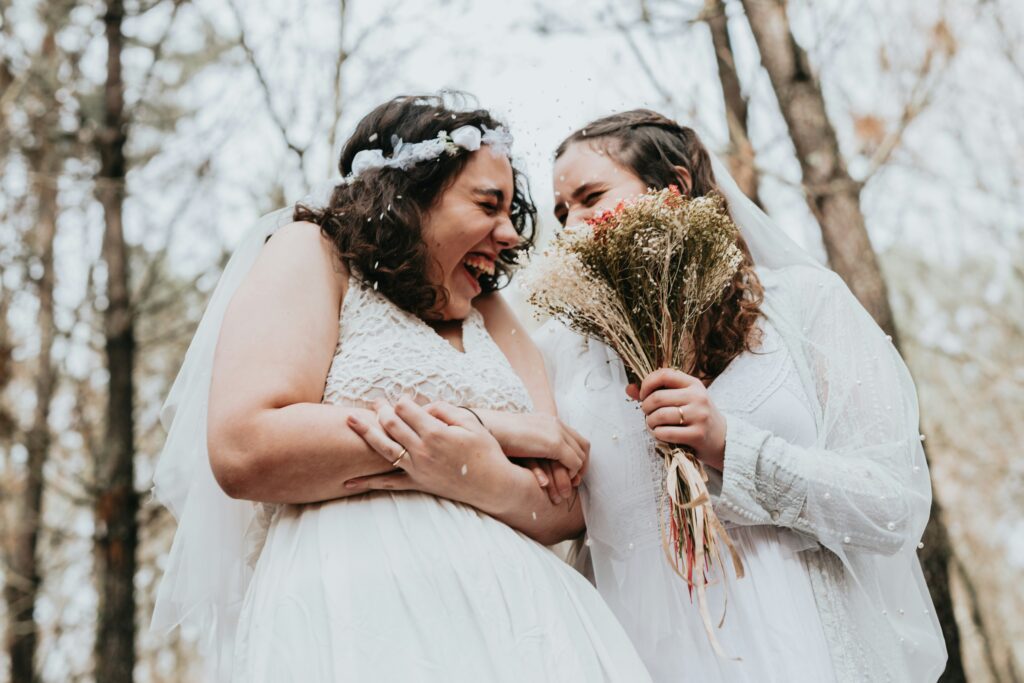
(690, 515)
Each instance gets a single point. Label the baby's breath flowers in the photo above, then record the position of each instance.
(638, 278)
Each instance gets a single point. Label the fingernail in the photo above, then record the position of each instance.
(543, 480)
(352, 484)
(558, 500)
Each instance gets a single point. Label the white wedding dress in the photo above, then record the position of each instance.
(405, 586)
(772, 629)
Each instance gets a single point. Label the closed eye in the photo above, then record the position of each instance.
(592, 198)
(490, 207)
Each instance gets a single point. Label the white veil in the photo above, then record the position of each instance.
(867, 491)
(207, 570)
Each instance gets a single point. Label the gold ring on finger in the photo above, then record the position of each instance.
(405, 452)
(682, 417)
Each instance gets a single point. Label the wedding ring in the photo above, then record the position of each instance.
(682, 418)
(405, 452)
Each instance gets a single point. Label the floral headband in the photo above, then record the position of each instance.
(408, 154)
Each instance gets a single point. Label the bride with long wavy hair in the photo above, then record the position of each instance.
(803, 414)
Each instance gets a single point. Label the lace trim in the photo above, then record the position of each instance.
(850, 659)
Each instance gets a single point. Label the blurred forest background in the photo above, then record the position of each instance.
(139, 138)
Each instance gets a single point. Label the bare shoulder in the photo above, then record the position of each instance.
(501, 321)
(303, 251)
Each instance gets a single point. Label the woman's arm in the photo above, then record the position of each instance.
(865, 484)
(539, 439)
(269, 437)
(766, 479)
(769, 480)
(442, 450)
(495, 486)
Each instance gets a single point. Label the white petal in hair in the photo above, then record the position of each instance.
(467, 137)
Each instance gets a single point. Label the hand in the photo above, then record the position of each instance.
(680, 411)
(554, 478)
(540, 436)
(443, 451)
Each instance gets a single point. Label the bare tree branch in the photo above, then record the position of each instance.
(740, 156)
(250, 56)
(926, 82)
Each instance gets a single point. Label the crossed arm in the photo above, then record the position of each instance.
(269, 437)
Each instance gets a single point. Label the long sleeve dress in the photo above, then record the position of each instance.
(823, 490)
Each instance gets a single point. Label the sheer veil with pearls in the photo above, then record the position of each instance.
(869, 496)
(857, 499)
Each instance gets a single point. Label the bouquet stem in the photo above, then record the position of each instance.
(695, 537)
(640, 278)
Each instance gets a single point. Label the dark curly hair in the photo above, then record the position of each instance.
(375, 222)
(651, 146)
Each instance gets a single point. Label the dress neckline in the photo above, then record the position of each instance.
(463, 330)
(467, 324)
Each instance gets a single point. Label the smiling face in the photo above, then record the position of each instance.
(467, 228)
(588, 181)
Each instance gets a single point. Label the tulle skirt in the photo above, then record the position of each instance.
(408, 587)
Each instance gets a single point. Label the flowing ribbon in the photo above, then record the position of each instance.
(696, 535)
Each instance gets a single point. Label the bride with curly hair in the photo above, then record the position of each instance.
(370, 326)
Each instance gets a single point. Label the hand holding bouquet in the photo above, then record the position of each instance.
(639, 278)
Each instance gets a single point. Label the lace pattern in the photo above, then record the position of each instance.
(384, 351)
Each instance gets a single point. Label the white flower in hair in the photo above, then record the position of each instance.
(365, 159)
(408, 154)
(467, 137)
(405, 155)
(499, 140)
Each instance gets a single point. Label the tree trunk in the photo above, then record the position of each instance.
(117, 502)
(23, 577)
(834, 198)
(740, 156)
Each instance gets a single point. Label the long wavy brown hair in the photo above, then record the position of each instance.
(652, 146)
(375, 222)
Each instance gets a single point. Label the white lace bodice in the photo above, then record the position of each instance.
(384, 351)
